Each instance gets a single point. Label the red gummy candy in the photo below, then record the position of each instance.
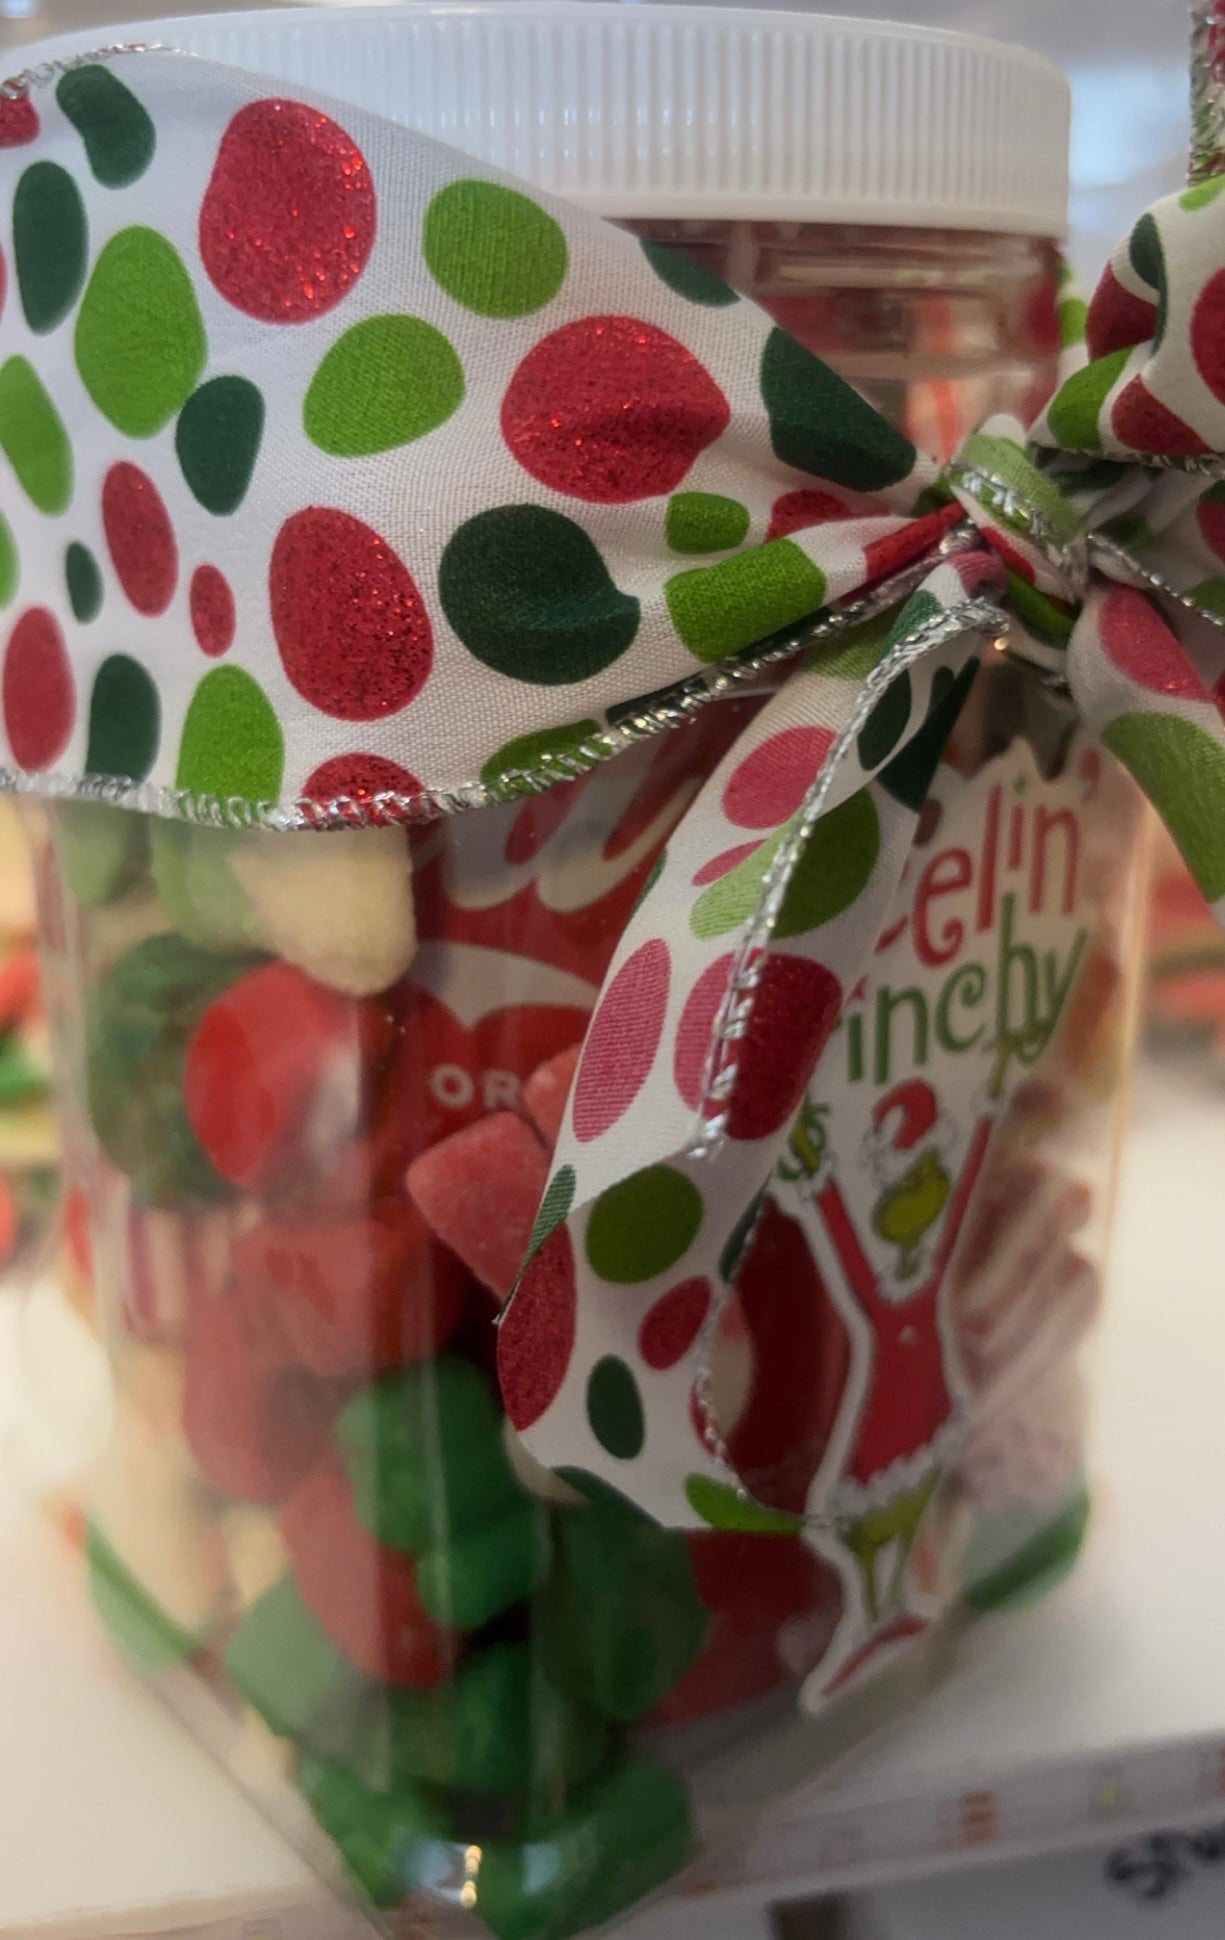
(354, 1296)
(547, 1092)
(480, 1191)
(362, 1594)
(254, 1428)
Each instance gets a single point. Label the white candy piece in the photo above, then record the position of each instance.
(534, 1477)
(339, 906)
(255, 1550)
(160, 1525)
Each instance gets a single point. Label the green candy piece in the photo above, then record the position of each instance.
(138, 1627)
(423, 1450)
(289, 1670)
(467, 1582)
(628, 1834)
(620, 1619)
(21, 1080)
(142, 1017)
(1033, 1565)
(197, 887)
(394, 1844)
(102, 850)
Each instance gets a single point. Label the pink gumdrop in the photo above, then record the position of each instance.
(479, 1191)
(547, 1090)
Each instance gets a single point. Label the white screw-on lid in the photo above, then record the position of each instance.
(683, 111)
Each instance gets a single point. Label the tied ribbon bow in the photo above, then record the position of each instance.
(397, 491)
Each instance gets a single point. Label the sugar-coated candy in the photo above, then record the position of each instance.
(255, 1550)
(102, 851)
(394, 1844)
(471, 1577)
(623, 1837)
(355, 1296)
(137, 1625)
(620, 1618)
(192, 868)
(254, 1426)
(364, 1595)
(338, 904)
(143, 1015)
(547, 1092)
(289, 1670)
(423, 1449)
(480, 1191)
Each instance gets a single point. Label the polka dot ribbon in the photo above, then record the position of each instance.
(344, 479)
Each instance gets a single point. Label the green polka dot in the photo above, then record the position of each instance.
(49, 244)
(908, 777)
(1071, 316)
(819, 424)
(835, 867)
(687, 278)
(1130, 530)
(614, 1409)
(9, 563)
(1182, 771)
(719, 1505)
(705, 522)
(84, 582)
(730, 901)
(125, 720)
(232, 742)
(554, 1207)
(1210, 595)
(1074, 411)
(1148, 261)
(853, 654)
(933, 498)
(643, 1225)
(1202, 193)
(717, 610)
(532, 753)
(33, 438)
(1038, 614)
(1003, 460)
(140, 345)
(217, 439)
(387, 381)
(530, 596)
(494, 250)
(117, 132)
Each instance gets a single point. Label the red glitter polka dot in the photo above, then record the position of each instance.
(536, 1337)
(354, 636)
(288, 218)
(722, 865)
(18, 122)
(610, 409)
(794, 1010)
(882, 557)
(140, 538)
(622, 1041)
(771, 783)
(1116, 318)
(673, 1324)
(1138, 642)
(1140, 421)
(796, 511)
(359, 777)
(1208, 334)
(39, 698)
(212, 611)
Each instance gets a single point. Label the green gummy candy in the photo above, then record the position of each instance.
(393, 1843)
(198, 889)
(139, 1024)
(138, 1627)
(101, 850)
(628, 1835)
(620, 1617)
(467, 1582)
(423, 1450)
(288, 1669)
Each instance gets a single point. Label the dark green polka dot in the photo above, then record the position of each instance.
(217, 439)
(117, 132)
(1202, 193)
(49, 244)
(819, 424)
(886, 724)
(84, 582)
(554, 1207)
(33, 438)
(687, 278)
(719, 1505)
(705, 522)
(834, 869)
(530, 596)
(909, 775)
(9, 563)
(732, 899)
(643, 1225)
(717, 610)
(494, 250)
(736, 1244)
(614, 1409)
(1148, 261)
(387, 381)
(139, 341)
(1182, 771)
(1210, 593)
(232, 742)
(1074, 411)
(125, 720)
(533, 753)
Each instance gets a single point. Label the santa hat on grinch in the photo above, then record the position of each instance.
(905, 1121)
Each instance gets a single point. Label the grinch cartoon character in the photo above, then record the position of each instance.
(906, 1136)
